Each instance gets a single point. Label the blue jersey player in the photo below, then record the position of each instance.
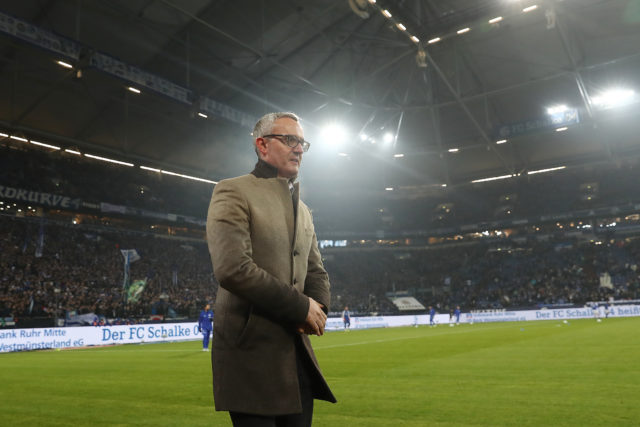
(346, 318)
(205, 325)
(432, 315)
(456, 314)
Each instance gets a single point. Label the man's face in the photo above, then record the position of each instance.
(286, 159)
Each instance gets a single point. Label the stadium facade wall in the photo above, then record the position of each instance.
(58, 338)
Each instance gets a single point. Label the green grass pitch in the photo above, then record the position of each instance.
(542, 373)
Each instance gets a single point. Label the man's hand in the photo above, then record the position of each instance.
(316, 320)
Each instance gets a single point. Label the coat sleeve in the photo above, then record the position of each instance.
(229, 240)
(316, 284)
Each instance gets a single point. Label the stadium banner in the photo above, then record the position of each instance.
(72, 337)
(37, 197)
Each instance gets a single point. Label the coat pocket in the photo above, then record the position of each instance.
(244, 338)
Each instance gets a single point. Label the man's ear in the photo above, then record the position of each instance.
(261, 146)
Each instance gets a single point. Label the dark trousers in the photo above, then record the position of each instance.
(289, 420)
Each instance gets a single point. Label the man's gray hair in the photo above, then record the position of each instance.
(265, 124)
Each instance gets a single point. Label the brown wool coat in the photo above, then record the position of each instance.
(267, 262)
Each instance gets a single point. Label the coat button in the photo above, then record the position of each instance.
(296, 253)
(295, 281)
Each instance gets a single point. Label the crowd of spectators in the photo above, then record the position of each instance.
(81, 270)
(480, 276)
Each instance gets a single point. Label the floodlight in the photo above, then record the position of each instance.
(363, 137)
(434, 40)
(495, 20)
(388, 138)
(64, 64)
(415, 39)
(334, 134)
(614, 98)
(453, 150)
(502, 141)
(464, 30)
(530, 8)
(133, 89)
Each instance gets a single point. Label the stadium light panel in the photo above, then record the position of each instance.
(372, 1)
(555, 109)
(363, 137)
(105, 159)
(546, 170)
(147, 168)
(415, 39)
(203, 115)
(388, 138)
(77, 153)
(42, 144)
(386, 13)
(17, 138)
(388, 188)
(530, 8)
(502, 141)
(343, 154)
(4, 135)
(463, 30)
(194, 178)
(398, 155)
(562, 129)
(434, 40)
(64, 64)
(453, 150)
(401, 27)
(495, 20)
(133, 89)
(493, 178)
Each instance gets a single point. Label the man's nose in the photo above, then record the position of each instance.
(298, 149)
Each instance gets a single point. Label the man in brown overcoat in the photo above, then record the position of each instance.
(274, 290)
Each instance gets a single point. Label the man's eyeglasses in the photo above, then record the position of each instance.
(290, 141)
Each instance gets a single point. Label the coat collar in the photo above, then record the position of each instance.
(265, 170)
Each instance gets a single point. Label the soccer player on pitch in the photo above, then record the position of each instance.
(205, 326)
(346, 318)
(432, 315)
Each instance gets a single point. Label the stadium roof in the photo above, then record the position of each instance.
(446, 80)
